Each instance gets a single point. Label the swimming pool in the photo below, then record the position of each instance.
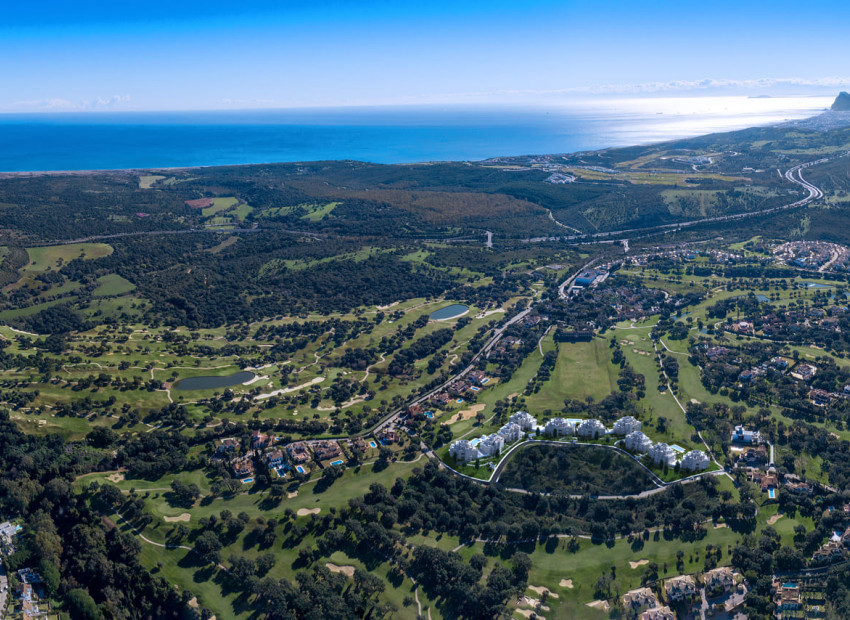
(771, 493)
(459, 400)
(676, 448)
(429, 414)
(475, 389)
(300, 469)
(281, 472)
(373, 444)
(484, 380)
(475, 442)
(336, 462)
(247, 480)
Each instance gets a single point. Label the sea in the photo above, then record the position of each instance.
(120, 140)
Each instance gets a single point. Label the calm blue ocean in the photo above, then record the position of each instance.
(114, 140)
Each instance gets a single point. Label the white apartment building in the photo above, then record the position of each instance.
(662, 454)
(463, 451)
(626, 425)
(524, 420)
(591, 428)
(558, 427)
(695, 460)
(511, 432)
(491, 444)
(636, 441)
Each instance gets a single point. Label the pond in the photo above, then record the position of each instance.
(210, 383)
(759, 298)
(816, 285)
(449, 312)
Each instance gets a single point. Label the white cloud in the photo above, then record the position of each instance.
(709, 84)
(64, 105)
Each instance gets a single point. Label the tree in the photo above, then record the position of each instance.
(209, 546)
(81, 605)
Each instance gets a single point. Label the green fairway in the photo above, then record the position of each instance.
(583, 369)
(112, 284)
(53, 257)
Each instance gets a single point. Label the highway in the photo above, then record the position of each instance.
(793, 175)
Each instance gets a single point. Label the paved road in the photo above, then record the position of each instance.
(4, 590)
(793, 175)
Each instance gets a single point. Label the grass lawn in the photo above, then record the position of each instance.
(112, 284)
(54, 256)
(583, 369)
(146, 181)
(219, 205)
(320, 212)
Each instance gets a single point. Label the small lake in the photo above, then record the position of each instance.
(449, 312)
(816, 285)
(210, 383)
(760, 298)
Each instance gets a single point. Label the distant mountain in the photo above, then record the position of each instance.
(842, 102)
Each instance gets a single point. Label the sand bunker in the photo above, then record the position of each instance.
(116, 477)
(634, 565)
(292, 494)
(566, 583)
(466, 414)
(773, 519)
(303, 512)
(348, 571)
(541, 589)
(603, 605)
(717, 526)
(184, 517)
(193, 602)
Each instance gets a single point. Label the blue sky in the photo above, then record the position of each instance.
(157, 55)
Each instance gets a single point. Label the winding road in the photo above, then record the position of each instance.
(793, 175)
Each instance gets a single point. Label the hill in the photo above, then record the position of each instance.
(842, 102)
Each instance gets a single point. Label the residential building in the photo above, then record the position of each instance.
(788, 596)
(830, 553)
(477, 377)
(259, 440)
(820, 397)
(299, 453)
(525, 420)
(243, 466)
(636, 601)
(662, 454)
(658, 613)
(695, 460)
(511, 432)
(767, 481)
(557, 427)
(718, 580)
(591, 428)
(626, 425)
(415, 410)
(743, 435)
(458, 388)
(753, 456)
(804, 372)
(388, 436)
(637, 442)
(491, 445)
(799, 488)
(327, 450)
(441, 399)
(274, 458)
(680, 588)
(463, 451)
(227, 447)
